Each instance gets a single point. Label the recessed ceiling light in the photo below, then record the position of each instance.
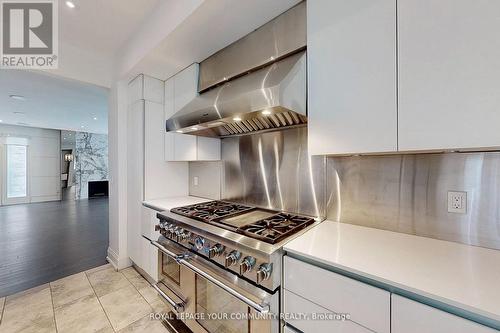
(70, 4)
(237, 119)
(266, 112)
(95, 118)
(18, 97)
(82, 126)
(1, 120)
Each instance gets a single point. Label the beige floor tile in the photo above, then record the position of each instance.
(130, 273)
(124, 307)
(2, 302)
(107, 280)
(70, 288)
(82, 315)
(98, 268)
(29, 311)
(160, 307)
(139, 282)
(145, 324)
(149, 294)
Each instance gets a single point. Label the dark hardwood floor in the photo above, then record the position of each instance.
(43, 242)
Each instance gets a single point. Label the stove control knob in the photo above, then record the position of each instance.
(199, 242)
(215, 251)
(247, 265)
(184, 236)
(170, 228)
(232, 258)
(264, 272)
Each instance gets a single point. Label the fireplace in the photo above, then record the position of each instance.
(98, 189)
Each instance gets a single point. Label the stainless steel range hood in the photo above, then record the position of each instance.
(256, 84)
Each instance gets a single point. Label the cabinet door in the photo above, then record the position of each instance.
(449, 65)
(135, 179)
(351, 48)
(185, 86)
(412, 317)
(153, 89)
(169, 137)
(185, 147)
(208, 149)
(135, 91)
(154, 141)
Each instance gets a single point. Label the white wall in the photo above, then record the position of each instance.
(44, 160)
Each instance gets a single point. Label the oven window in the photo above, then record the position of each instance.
(212, 300)
(171, 269)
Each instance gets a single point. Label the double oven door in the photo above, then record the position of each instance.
(208, 298)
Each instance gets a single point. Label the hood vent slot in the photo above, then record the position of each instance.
(262, 123)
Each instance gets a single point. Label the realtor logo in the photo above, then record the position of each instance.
(29, 34)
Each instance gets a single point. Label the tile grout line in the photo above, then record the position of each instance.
(137, 288)
(100, 304)
(3, 309)
(53, 307)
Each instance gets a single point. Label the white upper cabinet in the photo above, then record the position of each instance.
(351, 48)
(449, 69)
(185, 86)
(147, 88)
(179, 91)
(412, 317)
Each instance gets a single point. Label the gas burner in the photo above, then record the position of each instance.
(275, 228)
(208, 211)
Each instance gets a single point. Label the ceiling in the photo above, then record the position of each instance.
(92, 34)
(52, 102)
(213, 25)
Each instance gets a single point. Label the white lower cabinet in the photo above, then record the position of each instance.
(149, 253)
(412, 317)
(321, 290)
(324, 320)
(309, 290)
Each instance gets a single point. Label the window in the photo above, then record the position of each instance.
(17, 172)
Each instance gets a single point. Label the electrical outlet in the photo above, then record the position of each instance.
(195, 180)
(457, 202)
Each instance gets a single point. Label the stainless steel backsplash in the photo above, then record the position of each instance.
(401, 193)
(274, 170)
(408, 194)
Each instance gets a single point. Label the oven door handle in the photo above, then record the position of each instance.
(183, 259)
(179, 307)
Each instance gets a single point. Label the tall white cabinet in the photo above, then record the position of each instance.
(449, 69)
(148, 175)
(351, 55)
(181, 89)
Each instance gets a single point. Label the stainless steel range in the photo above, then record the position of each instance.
(225, 258)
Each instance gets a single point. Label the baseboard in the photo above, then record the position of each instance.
(117, 262)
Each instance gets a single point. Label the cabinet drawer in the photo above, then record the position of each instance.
(367, 305)
(412, 317)
(295, 304)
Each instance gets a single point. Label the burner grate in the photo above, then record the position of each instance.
(276, 228)
(208, 211)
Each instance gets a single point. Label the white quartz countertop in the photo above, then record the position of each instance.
(459, 275)
(169, 203)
